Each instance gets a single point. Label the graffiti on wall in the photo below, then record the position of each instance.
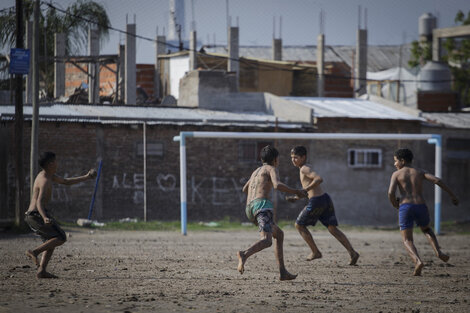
(211, 190)
(201, 190)
(221, 190)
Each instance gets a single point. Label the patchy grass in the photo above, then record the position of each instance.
(219, 225)
(448, 227)
(456, 227)
(225, 224)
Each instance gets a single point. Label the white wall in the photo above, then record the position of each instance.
(178, 67)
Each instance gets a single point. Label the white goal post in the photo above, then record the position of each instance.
(430, 138)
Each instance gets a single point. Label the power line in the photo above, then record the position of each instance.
(240, 59)
(11, 9)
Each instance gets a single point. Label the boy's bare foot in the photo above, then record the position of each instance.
(287, 276)
(354, 258)
(312, 256)
(45, 274)
(444, 257)
(241, 261)
(33, 257)
(419, 266)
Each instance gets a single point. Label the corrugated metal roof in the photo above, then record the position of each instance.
(152, 115)
(452, 120)
(352, 108)
(379, 58)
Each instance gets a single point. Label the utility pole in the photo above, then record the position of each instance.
(19, 179)
(33, 168)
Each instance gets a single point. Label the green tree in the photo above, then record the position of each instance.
(421, 52)
(456, 54)
(74, 23)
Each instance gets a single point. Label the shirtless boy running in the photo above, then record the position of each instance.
(319, 207)
(411, 206)
(259, 209)
(39, 219)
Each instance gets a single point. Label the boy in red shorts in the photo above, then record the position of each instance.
(411, 206)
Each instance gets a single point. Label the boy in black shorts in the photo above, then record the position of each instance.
(319, 207)
(37, 216)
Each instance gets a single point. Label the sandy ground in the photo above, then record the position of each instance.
(107, 271)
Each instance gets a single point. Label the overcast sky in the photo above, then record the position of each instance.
(388, 22)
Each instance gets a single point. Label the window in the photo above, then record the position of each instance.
(365, 158)
(153, 149)
(249, 151)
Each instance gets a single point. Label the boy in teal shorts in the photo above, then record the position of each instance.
(259, 209)
(411, 206)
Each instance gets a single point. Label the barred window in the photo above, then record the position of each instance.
(365, 158)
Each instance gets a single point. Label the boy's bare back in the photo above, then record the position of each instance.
(260, 183)
(410, 182)
(42, 191)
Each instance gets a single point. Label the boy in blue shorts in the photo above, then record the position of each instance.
(259, 209)
(319, 207)
(411, 206)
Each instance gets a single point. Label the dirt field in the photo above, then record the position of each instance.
(105, 271)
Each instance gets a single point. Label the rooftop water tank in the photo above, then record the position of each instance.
(427, 22)
(435, 76)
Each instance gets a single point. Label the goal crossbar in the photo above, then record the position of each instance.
(430, 138)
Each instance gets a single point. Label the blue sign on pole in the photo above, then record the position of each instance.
(19, 61)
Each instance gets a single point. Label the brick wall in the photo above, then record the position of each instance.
(215, 175)
(336, 82)
(434, 101)
(74, 78)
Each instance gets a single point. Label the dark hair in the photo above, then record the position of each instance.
(404, 154)
(269, 154)
(299, 150)
(45, 158)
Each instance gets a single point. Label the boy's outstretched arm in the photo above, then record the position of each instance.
(74, 180)
(278, 185)
(440, 183)
(392, 189)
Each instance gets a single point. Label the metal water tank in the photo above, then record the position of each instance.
(427, 22)
(435, 76)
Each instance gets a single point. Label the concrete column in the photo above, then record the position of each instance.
(94, 67)
(360, 83)
(59, 66)
(100, 154)
(160, 49)
(277, 49)
(436, 47)
(29, 78)
(321, 65)
(130, 74)
(192, 51)
(233, 45)
(121, 74)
